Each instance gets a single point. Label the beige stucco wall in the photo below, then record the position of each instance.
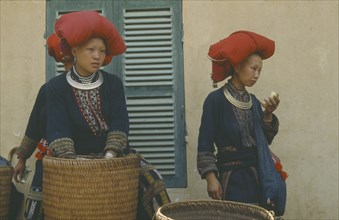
(304, 71)
(22, 65)
(22, 69)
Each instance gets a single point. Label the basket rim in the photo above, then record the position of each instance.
(77, 165)
(89, 158)
(195, 201)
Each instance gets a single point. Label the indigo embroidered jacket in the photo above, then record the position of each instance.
(221, 128)
(86, 121)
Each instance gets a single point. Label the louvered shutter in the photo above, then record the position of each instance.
(154, 85)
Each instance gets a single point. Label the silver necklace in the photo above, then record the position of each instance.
(84, 79)
(236, 103)
(85, 86)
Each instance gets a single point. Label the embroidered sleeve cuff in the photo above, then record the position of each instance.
(62, 146)
(274, 125)
(27, 147)
(206, 163)
(116, 141)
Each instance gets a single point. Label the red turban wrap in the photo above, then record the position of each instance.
(77, 28)
(55, 51)
(229, 52)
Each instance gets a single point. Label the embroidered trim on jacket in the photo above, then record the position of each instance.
(206, 163)
(89, 103)
(27, 147)
(116, 141)
(61, 146)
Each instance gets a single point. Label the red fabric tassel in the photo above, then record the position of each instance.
(43, 150)
(279, 167)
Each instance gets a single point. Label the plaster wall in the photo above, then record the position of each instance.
(22, 65)
(303, 70)
(22, 70)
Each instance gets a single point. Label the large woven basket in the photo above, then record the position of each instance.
(90, 188)
(5, 190)
(211, 209)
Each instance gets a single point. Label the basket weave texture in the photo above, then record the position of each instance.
(91, 188)
(5, 190)
(211, 209)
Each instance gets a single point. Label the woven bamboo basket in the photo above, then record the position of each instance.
(5, 190)
(211, 209)
(90, 188)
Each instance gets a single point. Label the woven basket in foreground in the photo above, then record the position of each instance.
(5, 190)
(211, 209)
(90, 188)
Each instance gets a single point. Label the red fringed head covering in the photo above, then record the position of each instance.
(76, 28)
(55, 51)
(229, 52)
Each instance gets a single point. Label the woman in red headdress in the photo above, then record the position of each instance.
(86, 108)
(239, 127)
(84, 111)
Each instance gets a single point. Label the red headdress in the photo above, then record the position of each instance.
(229, 52)
(76, 28)
(55, 51)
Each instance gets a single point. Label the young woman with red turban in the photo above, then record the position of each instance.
(85, 109)
(234, 123)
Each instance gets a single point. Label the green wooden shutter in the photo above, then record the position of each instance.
(153, 77)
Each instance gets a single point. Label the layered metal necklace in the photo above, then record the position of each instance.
(237, 103)
(86, 83)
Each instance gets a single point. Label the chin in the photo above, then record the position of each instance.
(250, 84)
(94, 70)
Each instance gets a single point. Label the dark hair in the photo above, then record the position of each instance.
(232, 71)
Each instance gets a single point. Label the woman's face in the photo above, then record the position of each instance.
(89, 56)
(247, 72)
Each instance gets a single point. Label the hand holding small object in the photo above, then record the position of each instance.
(19, 169)
(24, 176)
(270, 105)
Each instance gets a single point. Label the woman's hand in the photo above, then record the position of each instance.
(19, 169)
(213, 186)
(110, 154)
(270, 105)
